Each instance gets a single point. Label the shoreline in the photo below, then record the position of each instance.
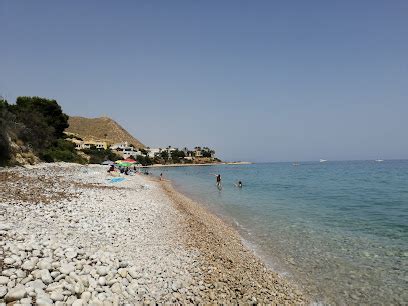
(72, 237)
(196, 165)
(212, 235)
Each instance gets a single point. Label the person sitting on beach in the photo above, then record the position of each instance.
(111, 168)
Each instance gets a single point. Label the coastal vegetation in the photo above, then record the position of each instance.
(31, 130)
(36, 129)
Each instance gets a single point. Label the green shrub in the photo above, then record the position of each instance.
(97, 156)
(61, 150)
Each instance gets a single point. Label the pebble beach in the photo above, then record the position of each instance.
(70, 237)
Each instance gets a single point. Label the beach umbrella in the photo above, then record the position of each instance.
(129, 160)
(119, 161)
(125, 164)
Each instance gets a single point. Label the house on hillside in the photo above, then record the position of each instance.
(152, 153)
(197, 152)
(89, 144)
(130, 151)
(119, 146)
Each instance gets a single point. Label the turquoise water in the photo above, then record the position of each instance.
(339, 229)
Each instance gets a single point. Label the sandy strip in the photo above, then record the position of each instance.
(71, 238)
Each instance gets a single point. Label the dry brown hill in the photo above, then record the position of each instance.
(103, 129)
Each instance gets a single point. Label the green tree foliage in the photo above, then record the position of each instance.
(61, 150)
(143, 160)
(39, 124)
(49, 109)
(97, 156)
(164, 155)
(177, 156)
(4, 138)
(143, 151)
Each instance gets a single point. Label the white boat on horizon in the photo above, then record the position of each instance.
(323, 160)
(379, 160)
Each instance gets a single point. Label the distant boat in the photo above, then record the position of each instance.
(379, 160)
(323, 160)
(296, 164)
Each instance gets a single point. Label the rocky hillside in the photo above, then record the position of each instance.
(103, 128)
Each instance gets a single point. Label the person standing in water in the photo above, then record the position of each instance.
(239, 184)
(161, 176)
(218, 180)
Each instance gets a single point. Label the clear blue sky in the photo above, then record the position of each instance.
(256, 80)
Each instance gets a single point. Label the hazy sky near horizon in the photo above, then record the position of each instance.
(256, 80)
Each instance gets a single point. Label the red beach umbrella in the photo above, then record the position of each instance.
(129, 160)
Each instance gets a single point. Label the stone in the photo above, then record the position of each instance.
(28, 265)
(101, 296)
(43, 300)
(86, 296)
(26, 301)
(46, 276)
(3, 291)
(44, 264)
(36, 273)
(70, 254)
(59, 303)
(123, 272)
(176, 285)
(9, 260)
(95, 302)
(79, 302)
(38, 283)
(133, 273)
(8, 272)
(102, 270)
(67, 268)
(102, 281)
(57, 296)
(79, 288)
(11, 283)
(26, 279)
(16, 293)
(116, 288)
(71, 299)
(4, 280)
(21, 273)
(5, 227)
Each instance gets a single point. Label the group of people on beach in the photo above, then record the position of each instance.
(219, 185)
(124, 170)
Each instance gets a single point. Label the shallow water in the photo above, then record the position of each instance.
(340, 229)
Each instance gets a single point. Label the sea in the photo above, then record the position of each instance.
(338, 229)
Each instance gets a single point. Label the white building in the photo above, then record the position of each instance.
(130, 151)
(120, 145)
(153, 152)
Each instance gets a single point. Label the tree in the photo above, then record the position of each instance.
(164, 155)
(4, 137)
(49, 109)
(177, 155)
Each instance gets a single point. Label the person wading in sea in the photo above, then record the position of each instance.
(218, 180)
(239, 184)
